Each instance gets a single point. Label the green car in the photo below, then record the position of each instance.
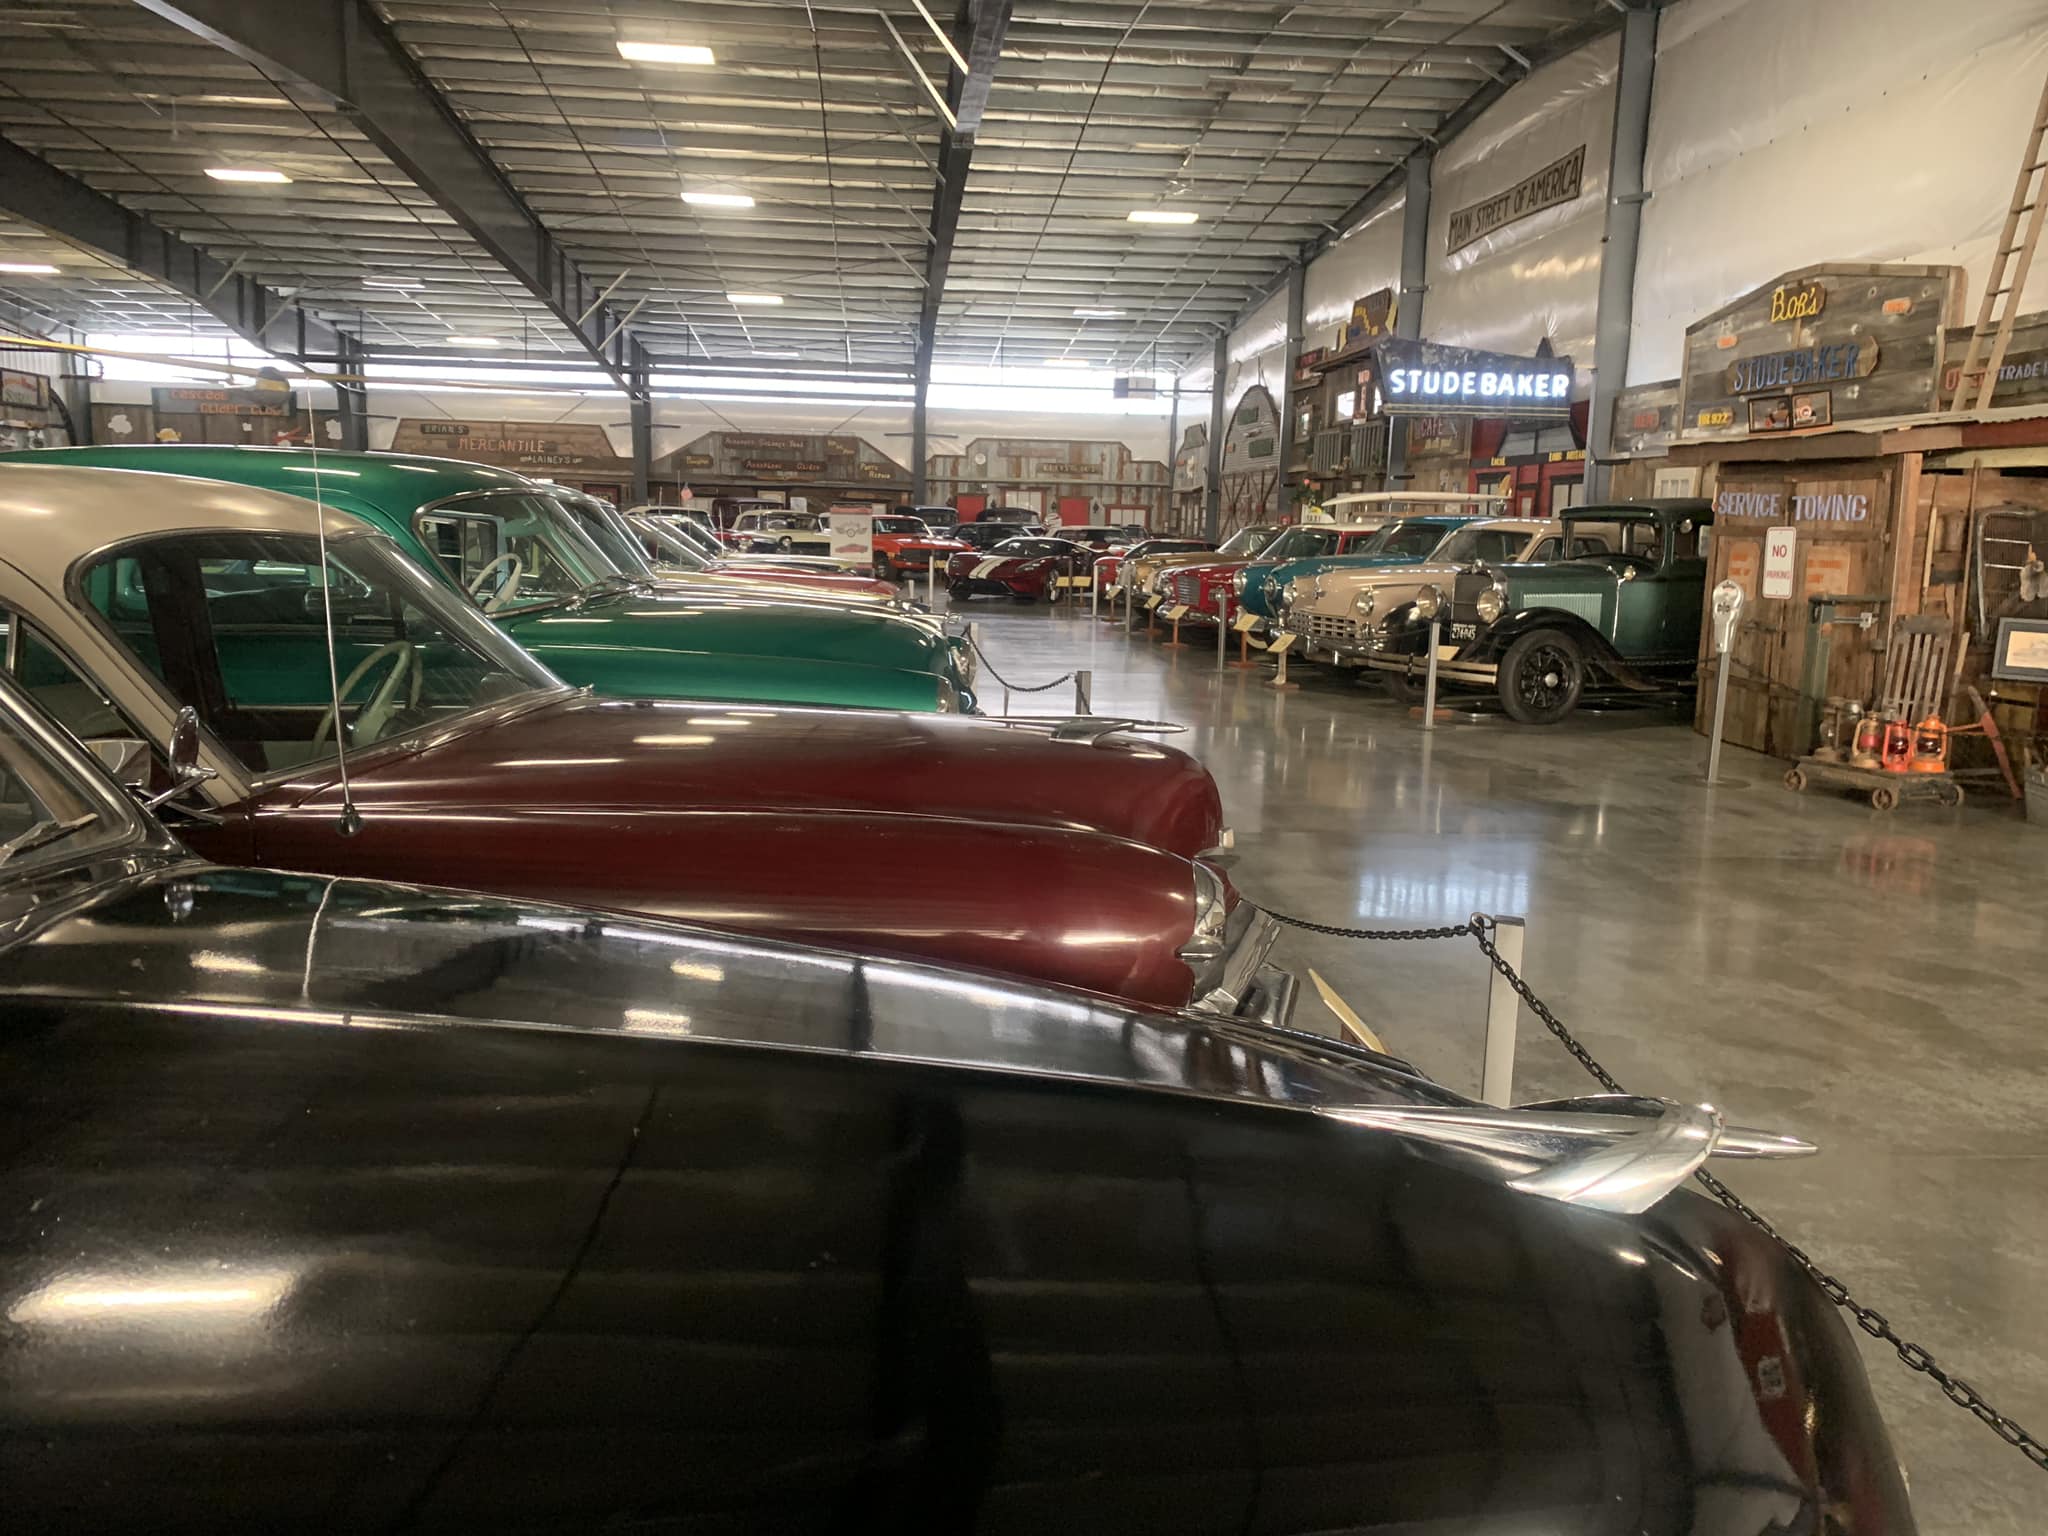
(521, 556)
(1543, 635)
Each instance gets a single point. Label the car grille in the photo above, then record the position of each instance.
(1328, 628)
(1187, 589)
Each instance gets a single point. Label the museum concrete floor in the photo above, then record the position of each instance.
(1870, 982)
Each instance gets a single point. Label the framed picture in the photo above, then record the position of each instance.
(2021, 653)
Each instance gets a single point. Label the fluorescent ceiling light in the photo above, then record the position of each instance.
(1160, 216)
(754, 298)
(39, 268)
(238, 173)
(719, 199)
(1098, 314)
(392, 282)
(665, 53)
(775, 354)
(474, 341)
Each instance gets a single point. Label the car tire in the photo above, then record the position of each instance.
(1405, 689)
(1541, 677)
(959, 591)
(883, 571)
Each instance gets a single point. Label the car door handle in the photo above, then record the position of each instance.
(1610, 1152)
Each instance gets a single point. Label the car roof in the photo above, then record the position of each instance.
(50, 514)
(1698, 508)
(1442, 498)
(394, 481)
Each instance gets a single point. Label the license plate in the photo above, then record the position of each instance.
(1464, 631)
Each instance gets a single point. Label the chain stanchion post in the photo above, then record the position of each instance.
(1095, 591)
(1084, 691)
(1222, 633)
(1429, 682)
(1503, 1010)
(931, 581)
(1124, 577)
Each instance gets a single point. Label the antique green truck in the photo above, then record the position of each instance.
(1543, 635)
(519, 554)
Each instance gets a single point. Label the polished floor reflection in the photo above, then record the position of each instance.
(1868, 981)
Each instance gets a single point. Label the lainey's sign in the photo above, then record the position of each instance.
(1417, 377)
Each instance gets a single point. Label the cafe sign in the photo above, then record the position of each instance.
(1823, 346)
(1418, 377)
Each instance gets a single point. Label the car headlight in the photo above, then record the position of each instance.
(1237, 584)
(949, 698)
(1212, 918)
(1363, 604)
(1427, 603)
(1491, 603)
(1284, 603)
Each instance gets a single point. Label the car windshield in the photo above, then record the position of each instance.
(1406, 539)
(607, 529)
(691, 532)
(233, 624)
(1466, 545)
(513, 550)
(912, 526)
(1299, 543)
(1246, 542)
(1603, 534)
(668, 544)
(48, 809)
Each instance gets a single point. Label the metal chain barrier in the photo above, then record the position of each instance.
(1064, 677)
(1917, 1357)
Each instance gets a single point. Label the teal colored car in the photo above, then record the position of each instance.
(518, 552)
(1406, 540)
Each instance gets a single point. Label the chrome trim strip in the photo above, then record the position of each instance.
(1223, 985)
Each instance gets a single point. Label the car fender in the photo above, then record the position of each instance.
(1494, 640)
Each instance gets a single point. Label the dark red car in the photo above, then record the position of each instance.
(1023, 568)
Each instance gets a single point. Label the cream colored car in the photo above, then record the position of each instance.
(1339, 612)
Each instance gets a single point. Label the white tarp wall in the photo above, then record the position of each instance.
(1258, 353)
(1827, 130)
(1539, 276)
(1366, 259)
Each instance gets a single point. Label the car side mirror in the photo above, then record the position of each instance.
(186, 769)
(125, 759)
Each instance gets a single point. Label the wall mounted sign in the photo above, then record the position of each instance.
(1371, 317)
(1059, 471)
(1435, 436)
(1829, 568)
(1558, 182)
(756, 442)
(198, 400)
(2022, 377)
(1645, 419)
(521, 445)
(1827, 345)
(2021, 650)
(1832, 507)
(697, 460)
(783, 466)
(25, 391)
(1781, 551)
(880, 474)
(1419, 376)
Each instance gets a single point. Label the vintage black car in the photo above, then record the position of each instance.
(1622, 615)
(331, 1205)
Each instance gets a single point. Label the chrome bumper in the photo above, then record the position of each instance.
(1239, 983)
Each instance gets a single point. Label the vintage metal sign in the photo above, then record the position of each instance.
(1558, 182)
(1419, 376)
(200, 401)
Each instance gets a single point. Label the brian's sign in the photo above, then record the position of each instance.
(1418, 377)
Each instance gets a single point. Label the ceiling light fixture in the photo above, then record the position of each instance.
(719, 199)
(243, 173)
(754, 298)
(1160, 216)
(474, 341)
(33, 268)
(1098, 314)
(665, 53)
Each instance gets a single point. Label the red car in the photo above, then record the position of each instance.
(1022, 568)
(1209, 590)
(184, 642)
(906, 546)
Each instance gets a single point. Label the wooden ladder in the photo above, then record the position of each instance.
(2010, 264)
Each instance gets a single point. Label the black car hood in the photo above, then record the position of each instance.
(293, 1238)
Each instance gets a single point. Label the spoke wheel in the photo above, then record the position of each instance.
(1541, 677)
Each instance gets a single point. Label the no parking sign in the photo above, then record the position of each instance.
(1780, 545)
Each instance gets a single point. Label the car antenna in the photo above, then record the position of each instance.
(351, 821)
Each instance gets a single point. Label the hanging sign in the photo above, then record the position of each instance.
(1780, 548)
(1558, 182)
(1420, 377)
(202, 401)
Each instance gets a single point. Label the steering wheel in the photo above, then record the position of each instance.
(375, 715)
(505, 588)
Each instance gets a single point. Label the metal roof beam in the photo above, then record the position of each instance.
(341, 50)
(36, 191)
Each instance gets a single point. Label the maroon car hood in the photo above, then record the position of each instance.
(631, 754)
(966, 842)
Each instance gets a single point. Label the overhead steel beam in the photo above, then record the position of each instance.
(37, 192)
(978, 30)
(342, 51)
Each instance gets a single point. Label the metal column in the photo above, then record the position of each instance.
(1296, 280)
(1625, 196)
(1212, 499)
(640, 408)
(352, 400)
(1172, 456)
(77, 388)
(920, 489)
(1414, 285)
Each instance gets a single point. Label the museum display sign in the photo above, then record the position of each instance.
(1420, 377)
